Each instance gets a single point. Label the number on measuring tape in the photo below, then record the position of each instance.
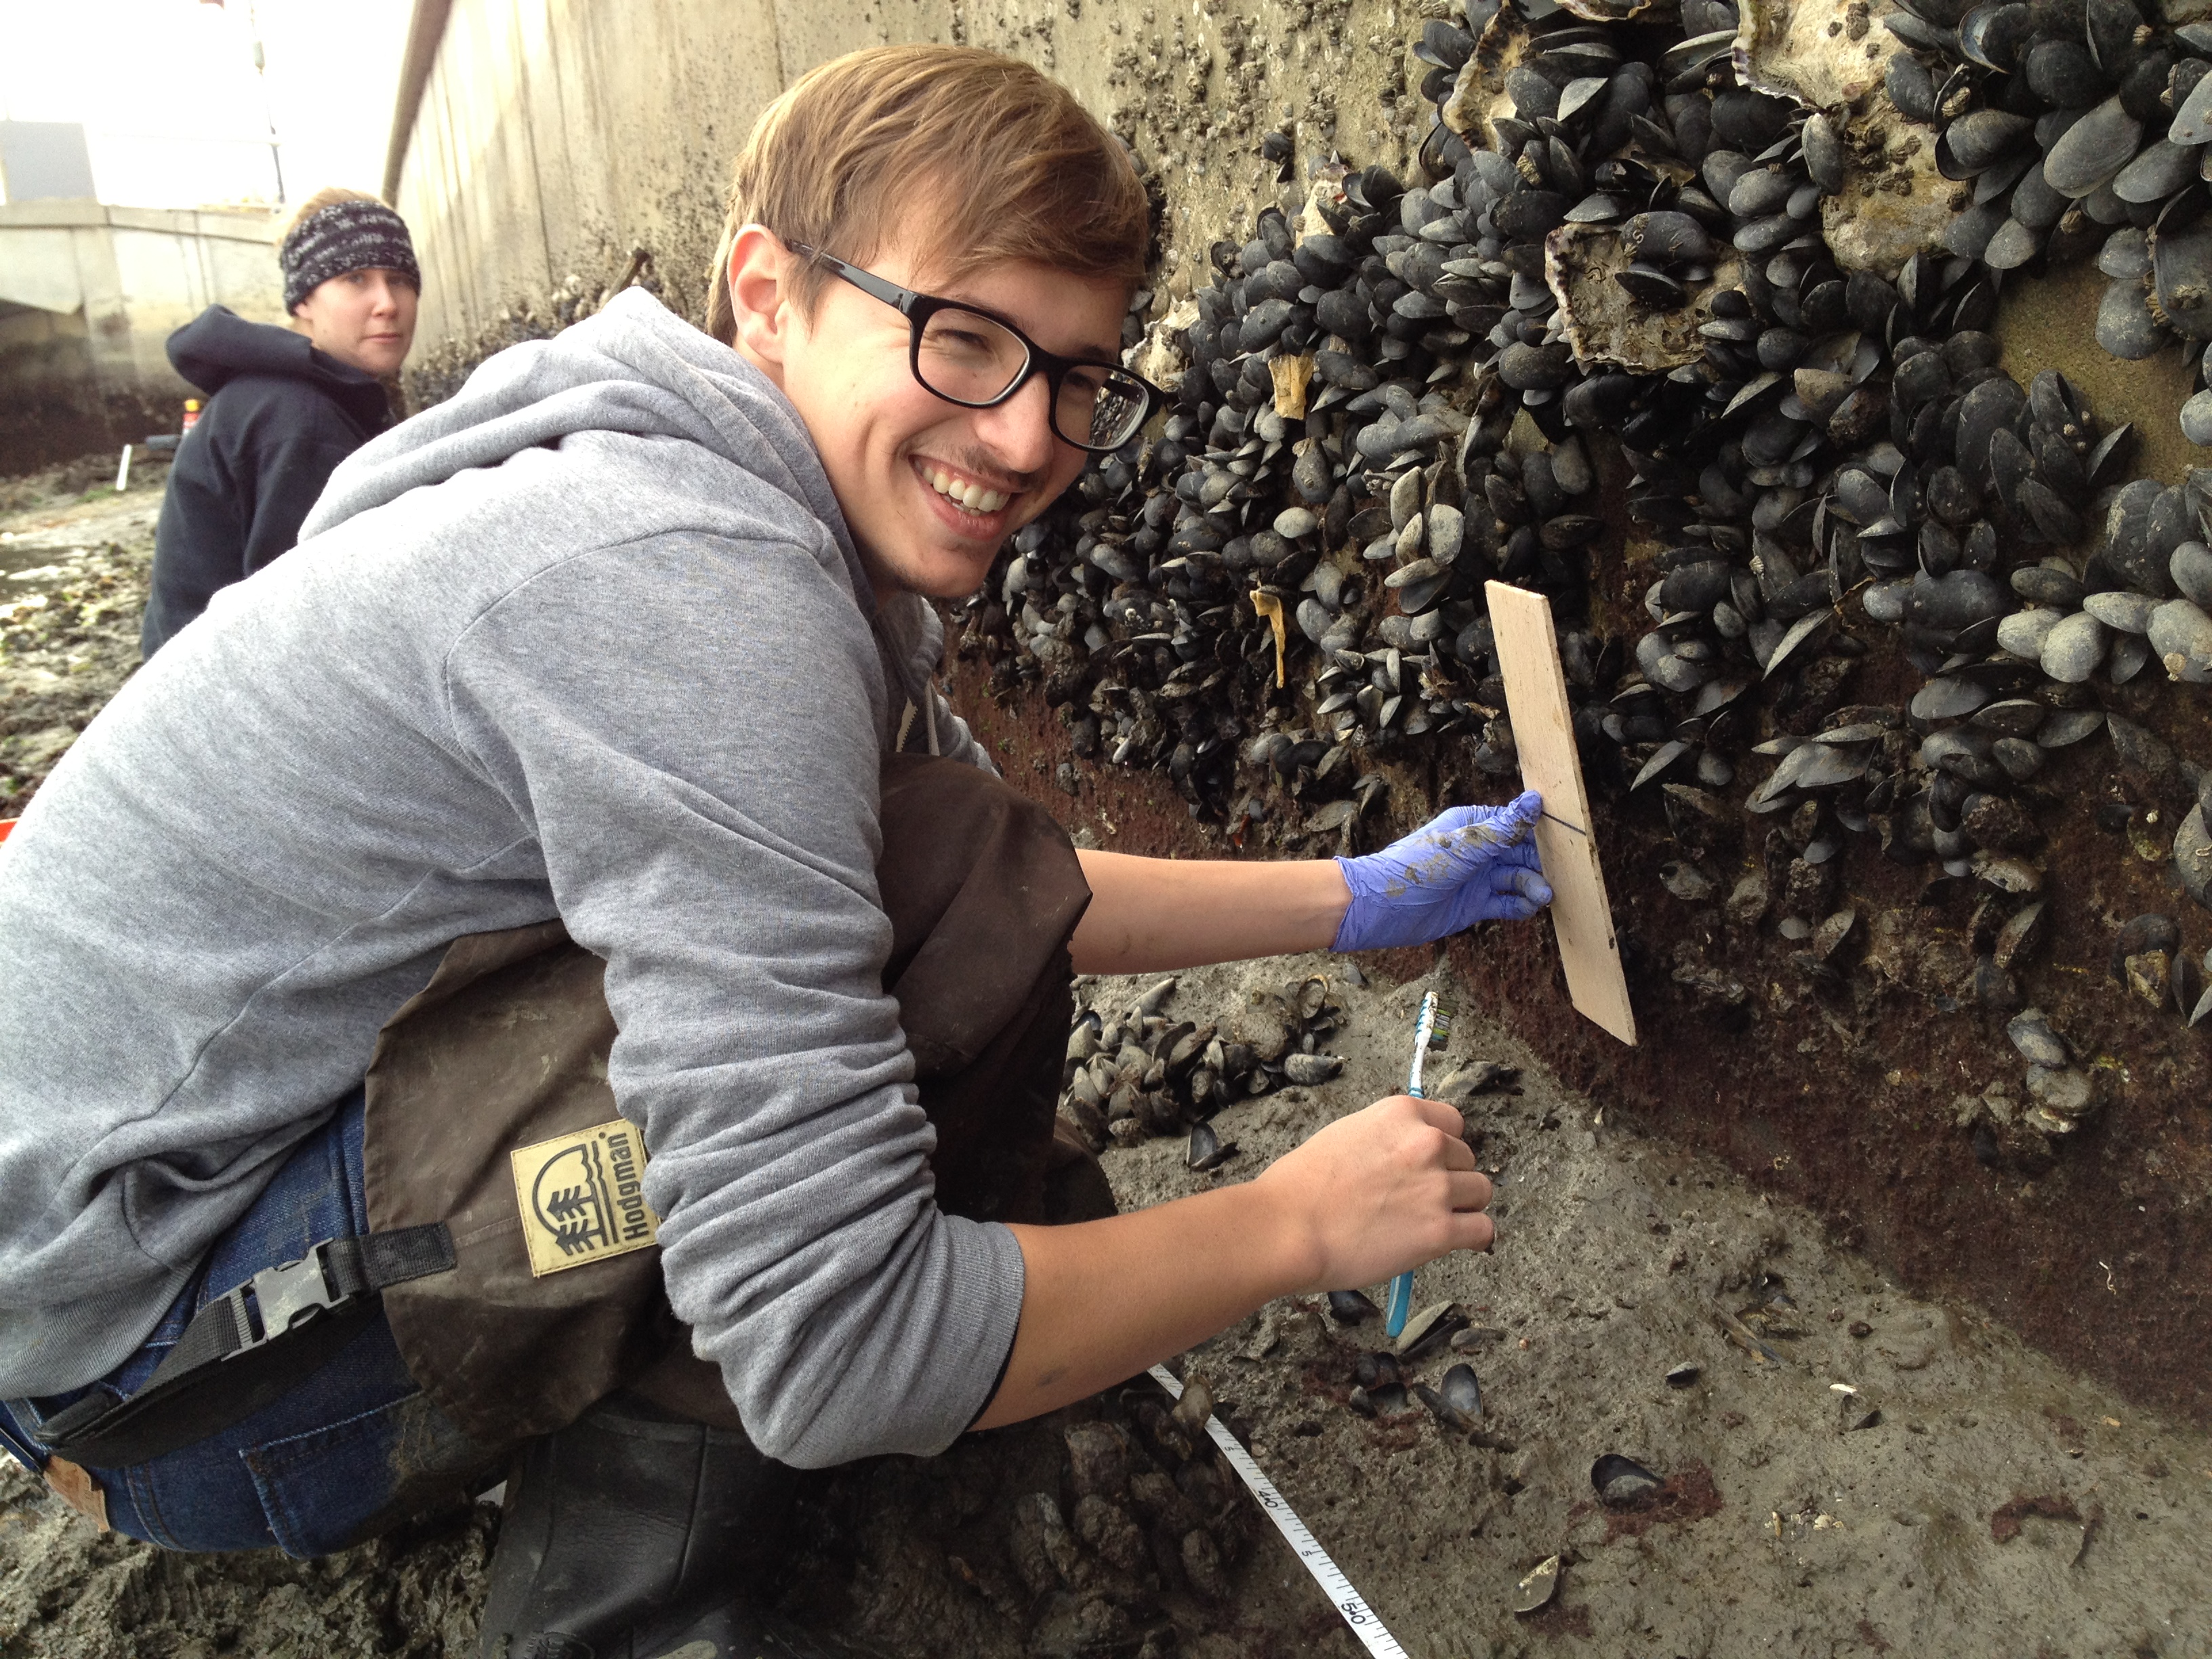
(1349, 1603)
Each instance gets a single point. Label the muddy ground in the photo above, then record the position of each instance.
(74, 557)
(1966, 1494)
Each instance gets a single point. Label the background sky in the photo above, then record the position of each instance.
(174, 112)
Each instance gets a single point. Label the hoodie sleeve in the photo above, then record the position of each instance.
(701, 776)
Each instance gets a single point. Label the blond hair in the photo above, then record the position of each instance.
(1019, 170)
(329, 196)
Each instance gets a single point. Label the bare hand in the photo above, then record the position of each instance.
(1382, 1191)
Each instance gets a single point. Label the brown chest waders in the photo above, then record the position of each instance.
(505, 1051)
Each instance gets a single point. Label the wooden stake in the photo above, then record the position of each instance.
(1544, 736)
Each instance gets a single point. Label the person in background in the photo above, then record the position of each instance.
(285, 406)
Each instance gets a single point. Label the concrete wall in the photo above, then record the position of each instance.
(89, 296)
(540, 142)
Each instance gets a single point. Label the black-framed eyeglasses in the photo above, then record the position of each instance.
(977, 360)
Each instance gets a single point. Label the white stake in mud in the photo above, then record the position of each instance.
(123, 472)
(1348, 1602)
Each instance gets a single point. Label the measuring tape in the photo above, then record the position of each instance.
(1348, 1602)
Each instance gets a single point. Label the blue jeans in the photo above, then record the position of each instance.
(353, 1450)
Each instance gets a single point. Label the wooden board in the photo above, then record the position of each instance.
(1544, 734)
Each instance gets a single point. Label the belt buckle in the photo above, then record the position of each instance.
(283, 1296)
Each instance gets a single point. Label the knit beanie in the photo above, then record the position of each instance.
(343, 237)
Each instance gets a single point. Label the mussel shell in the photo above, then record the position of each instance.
(2092, 150)
(2112, 26)
(1665, 237)
(1911, 87)
(1979, 141)
(2126, 326)
(1825, 158)
(2013, 246)
(1352, 1308)
(2181, 272)
(1462, 1390)
(1649, 285)
(1622, 1481)
(2162, 167)
(1969, 232)
(2192, 122)
(2063, 73)
(1994, 34)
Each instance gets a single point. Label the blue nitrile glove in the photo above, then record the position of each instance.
(1471, 864)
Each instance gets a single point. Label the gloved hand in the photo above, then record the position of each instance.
(1471, 864)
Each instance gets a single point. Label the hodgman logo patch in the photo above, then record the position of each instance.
(582, 1197)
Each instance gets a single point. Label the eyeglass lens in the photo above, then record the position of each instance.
(971, 359)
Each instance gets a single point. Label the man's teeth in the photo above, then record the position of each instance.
(972, 496)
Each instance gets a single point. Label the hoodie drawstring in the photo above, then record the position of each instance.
(928, 711)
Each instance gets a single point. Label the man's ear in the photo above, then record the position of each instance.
(763, 308)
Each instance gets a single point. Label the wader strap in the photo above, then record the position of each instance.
(247, 1347)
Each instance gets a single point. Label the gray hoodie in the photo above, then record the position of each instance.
(591, 640)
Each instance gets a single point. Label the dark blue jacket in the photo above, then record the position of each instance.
(280, 416)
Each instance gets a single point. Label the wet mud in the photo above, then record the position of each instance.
(74, 558)
(1871, 1470)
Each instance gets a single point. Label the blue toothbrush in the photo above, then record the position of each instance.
(1430, 1031)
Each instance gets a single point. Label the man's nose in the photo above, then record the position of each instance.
(1018, 432)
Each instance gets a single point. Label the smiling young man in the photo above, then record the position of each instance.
(285, 406)
(575, 778)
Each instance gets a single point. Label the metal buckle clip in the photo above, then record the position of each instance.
(283, 1296)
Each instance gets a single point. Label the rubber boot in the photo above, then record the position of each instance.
(634, 1534)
